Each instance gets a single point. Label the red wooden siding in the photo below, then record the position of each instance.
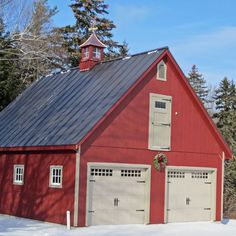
(123, 138)
(35, 199)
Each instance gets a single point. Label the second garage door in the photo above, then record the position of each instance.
(190, 195)
(117, 195)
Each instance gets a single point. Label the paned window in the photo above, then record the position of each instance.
(18, 177)
(161, 71)
(96, 53)
(159, 104)
(56, 176)
(86, 52)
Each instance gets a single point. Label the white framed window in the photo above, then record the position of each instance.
(18, 174)
(56, 176)
(96, 53)
(161, 71)
(160, 122)
(86, 52)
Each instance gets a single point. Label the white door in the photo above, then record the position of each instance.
(117, 195)
(190, 195)
(160, 122)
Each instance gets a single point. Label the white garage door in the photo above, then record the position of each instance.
(190, 195)
(117, 195)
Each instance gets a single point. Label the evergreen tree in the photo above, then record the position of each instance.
(10, 83)
(90, 14)
(30, 53)
(124, 49)
(198, 83)
(225, 99)
(230, 189)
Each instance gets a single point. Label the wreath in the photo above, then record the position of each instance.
(160, 161)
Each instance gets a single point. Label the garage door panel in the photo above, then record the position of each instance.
(118, 197)
(190, 195)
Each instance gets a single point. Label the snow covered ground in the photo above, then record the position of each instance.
(21, 227)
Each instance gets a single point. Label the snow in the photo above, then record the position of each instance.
(12, 226)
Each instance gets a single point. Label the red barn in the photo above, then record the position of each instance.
(124, 141)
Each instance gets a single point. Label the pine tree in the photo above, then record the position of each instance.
(10, 83)
(198, 83)
(225, 99)
(124, 49)
(90, 14)
(230, 189)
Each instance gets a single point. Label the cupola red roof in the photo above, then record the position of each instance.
(93, 41)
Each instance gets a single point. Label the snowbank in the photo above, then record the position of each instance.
(12, 226)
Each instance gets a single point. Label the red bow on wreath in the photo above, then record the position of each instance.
(160, 161)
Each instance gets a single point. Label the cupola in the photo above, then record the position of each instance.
(92, 52)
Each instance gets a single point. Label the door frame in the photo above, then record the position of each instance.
(117, 165)
(192, 168)
(150, 128)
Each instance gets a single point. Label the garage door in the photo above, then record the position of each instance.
(117, 195)
(190, 195)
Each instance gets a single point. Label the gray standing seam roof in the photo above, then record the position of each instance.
(61, 109)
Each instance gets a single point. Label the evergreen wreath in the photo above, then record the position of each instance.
(160, 161)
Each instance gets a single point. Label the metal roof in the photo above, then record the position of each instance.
(93, 40)
(61, 109)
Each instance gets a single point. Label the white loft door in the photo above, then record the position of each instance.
(160, 122)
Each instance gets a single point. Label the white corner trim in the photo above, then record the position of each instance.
(76, 197)
(222, 184)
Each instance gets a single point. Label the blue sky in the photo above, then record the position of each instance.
(199, 32)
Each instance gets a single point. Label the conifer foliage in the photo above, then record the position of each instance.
(198, 83)
(90, 15)
(10, 84)
(225, 99)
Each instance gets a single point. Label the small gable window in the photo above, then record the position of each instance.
(18, 177)
(96, 53)
(161, 71)
(86, 53)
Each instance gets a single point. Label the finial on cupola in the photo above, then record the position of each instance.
(92, 51)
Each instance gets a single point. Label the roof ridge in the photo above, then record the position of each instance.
(136, 54)
(111, 60)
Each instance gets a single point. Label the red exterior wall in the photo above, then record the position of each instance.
(123, 138)
(35, 199)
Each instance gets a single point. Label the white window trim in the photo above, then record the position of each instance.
(17, 182)
(86, 53)
(96, 53)
(165, 67)
(150, 145)
(51, 184)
